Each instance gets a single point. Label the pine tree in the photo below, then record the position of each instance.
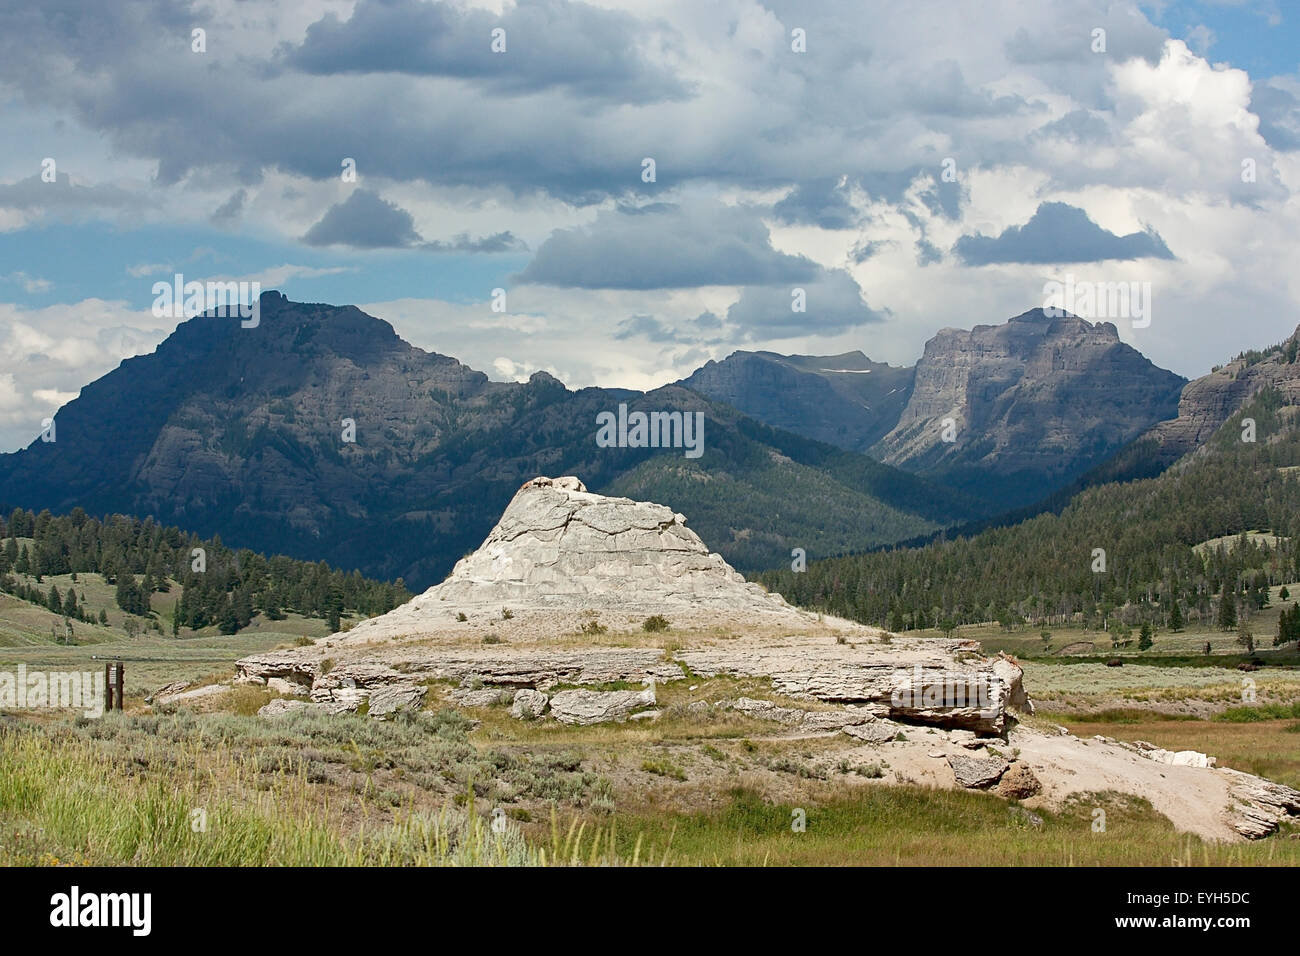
(1245, 637)
(1175, 616)
(54, 602)
(1145, 636)
(227, 622)
(1227, 611)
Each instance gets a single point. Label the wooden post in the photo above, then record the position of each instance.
(121, 686)
(108, 686)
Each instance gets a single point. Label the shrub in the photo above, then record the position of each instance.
(655, 622)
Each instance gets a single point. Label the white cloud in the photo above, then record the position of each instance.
(54, 351)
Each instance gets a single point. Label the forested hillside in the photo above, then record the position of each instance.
(219, 586)
(1050, 568)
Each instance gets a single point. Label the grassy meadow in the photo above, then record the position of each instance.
(464, 786)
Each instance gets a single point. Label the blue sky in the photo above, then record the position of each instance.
(1259, 36)
(907, 171)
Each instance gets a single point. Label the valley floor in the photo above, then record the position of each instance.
(216, 785)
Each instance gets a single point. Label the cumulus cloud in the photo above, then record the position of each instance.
(50, 353)
(833, 303)
(544, 43)
(809, 163)
(365, 221)
(666, 246)
(825, 203)
(1058, 232)
(61, 194)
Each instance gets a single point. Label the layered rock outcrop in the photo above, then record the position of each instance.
(1209, 401)
(1041, 396)
(562, 554)
(560, 547)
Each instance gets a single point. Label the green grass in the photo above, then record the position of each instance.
(1245, 715)
(918, 826)
(61, 803)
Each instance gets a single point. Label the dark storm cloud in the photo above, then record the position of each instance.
(579, 98)
(645, 326)
(34, 193)
(1059, 233)
(548, 43)
(820, 202)
(700, 243)
(833, 302)
(364, 221)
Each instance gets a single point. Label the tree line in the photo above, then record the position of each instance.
(1123, 552)
(219, 585)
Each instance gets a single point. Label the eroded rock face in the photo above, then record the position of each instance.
(559, 552)
(1038, 395)
(559, 546)
(945, 683)
(1209, 401)
(585, 707)
(1260, 806)
(813, 720)
(528, 704)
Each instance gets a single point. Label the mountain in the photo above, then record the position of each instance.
(1212, 399)
(242, 432)
(845, 400)
(1033, 403)
(1045, 569)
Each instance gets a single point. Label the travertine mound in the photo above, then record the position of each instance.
(559, 547)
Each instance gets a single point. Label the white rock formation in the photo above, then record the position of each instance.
(560, 554)
(560, 547)
(584, 707)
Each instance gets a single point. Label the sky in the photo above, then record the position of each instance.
(651, 184)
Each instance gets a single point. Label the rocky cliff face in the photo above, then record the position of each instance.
(845, 400)
(1026, 405)
(1211, 400)
(1034, 403)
